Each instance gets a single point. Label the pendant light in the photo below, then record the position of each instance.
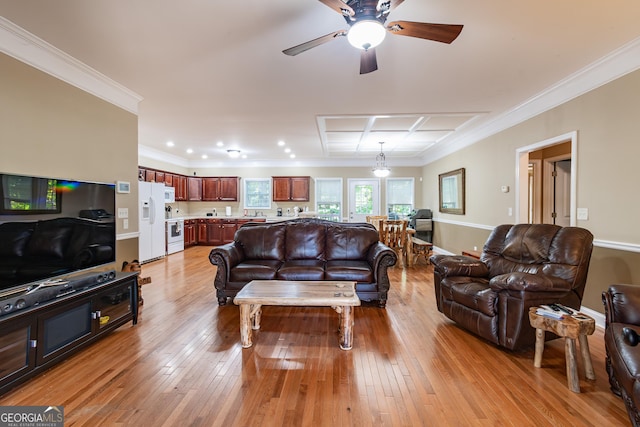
(381, 169)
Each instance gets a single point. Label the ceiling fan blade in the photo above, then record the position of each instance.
(339, 6)
(368, 61)
(443, 33)
(293, 51)
(387, 6)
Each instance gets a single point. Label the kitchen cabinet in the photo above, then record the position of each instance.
(214, 232)
(202, 231)
(223, 189)
(194, 189)
(291, 188)
(150, 176)
(190, 232)
(180, 184)
(168, 179)
(229, 227)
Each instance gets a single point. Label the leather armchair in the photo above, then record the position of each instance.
(622, 316)
(521, 266)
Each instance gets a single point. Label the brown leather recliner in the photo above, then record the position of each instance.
(521, 266)
(622, 315)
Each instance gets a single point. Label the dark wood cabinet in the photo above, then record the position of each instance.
(214, 232)
(229, 227)
(291, 188)
(180, 184)
(223, 189)
(35, 338)
(194, 189)
(202, 232)
(190, 232)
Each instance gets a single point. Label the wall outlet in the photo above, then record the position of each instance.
(510, 212)
(582, 214)
(123, 212)
(125, 224)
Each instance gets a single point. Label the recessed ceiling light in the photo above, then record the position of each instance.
(170, 144)
(287, 150)
(219, 143)
(244, 156)
(189, 150)
(204, 156)
(293, 156)
(280, 143)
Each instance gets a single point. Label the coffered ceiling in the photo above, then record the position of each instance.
(212, 75)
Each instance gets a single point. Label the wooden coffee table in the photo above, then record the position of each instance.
(341, 296)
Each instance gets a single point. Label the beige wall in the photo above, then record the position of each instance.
(49, 128)
(606, 121)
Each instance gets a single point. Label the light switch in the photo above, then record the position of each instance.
(125, 224)
(583, 214)
(123, 212)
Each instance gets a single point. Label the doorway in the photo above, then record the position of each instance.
(546, 174)
(364, 199)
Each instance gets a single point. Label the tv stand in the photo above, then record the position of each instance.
(36, 338)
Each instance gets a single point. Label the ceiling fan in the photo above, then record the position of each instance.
(366, 19)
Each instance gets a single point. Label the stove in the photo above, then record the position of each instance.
(175, 236)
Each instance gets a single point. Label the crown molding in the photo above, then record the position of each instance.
(26, 47)
(614, 65)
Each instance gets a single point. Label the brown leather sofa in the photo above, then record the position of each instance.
(304, 249)
(622, 316)
(521, 266)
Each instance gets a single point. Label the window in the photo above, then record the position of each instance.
(29, 195)
(399, 197)
(329, 198)
(257, 193)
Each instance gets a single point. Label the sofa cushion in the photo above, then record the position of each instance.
(305, 241)
(470, 292)
(350, 270)
(349, 243)
(302, 269)
(49, 241)
(262, 242)
(254, 270)
(14, 237)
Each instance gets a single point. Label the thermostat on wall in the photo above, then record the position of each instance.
(123, 187)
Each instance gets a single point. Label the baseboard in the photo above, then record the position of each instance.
(600, 319)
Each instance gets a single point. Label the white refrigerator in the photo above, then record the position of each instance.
(151, 243)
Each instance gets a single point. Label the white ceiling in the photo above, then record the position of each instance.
(213, 71)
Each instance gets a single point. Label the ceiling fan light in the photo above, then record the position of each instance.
(366, 34)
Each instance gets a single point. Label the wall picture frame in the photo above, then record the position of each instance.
(451, 187)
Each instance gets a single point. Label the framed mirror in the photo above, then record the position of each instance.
(451, 188)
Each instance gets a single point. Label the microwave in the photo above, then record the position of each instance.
(169, 194)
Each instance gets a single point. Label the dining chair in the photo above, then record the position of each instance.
(375, 220)
(393, 233)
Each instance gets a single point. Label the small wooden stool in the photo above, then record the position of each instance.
(420, 248)
(570, 328)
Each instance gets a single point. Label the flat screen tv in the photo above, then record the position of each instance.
(51, 228)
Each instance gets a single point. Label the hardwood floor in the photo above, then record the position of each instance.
(183, 365)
